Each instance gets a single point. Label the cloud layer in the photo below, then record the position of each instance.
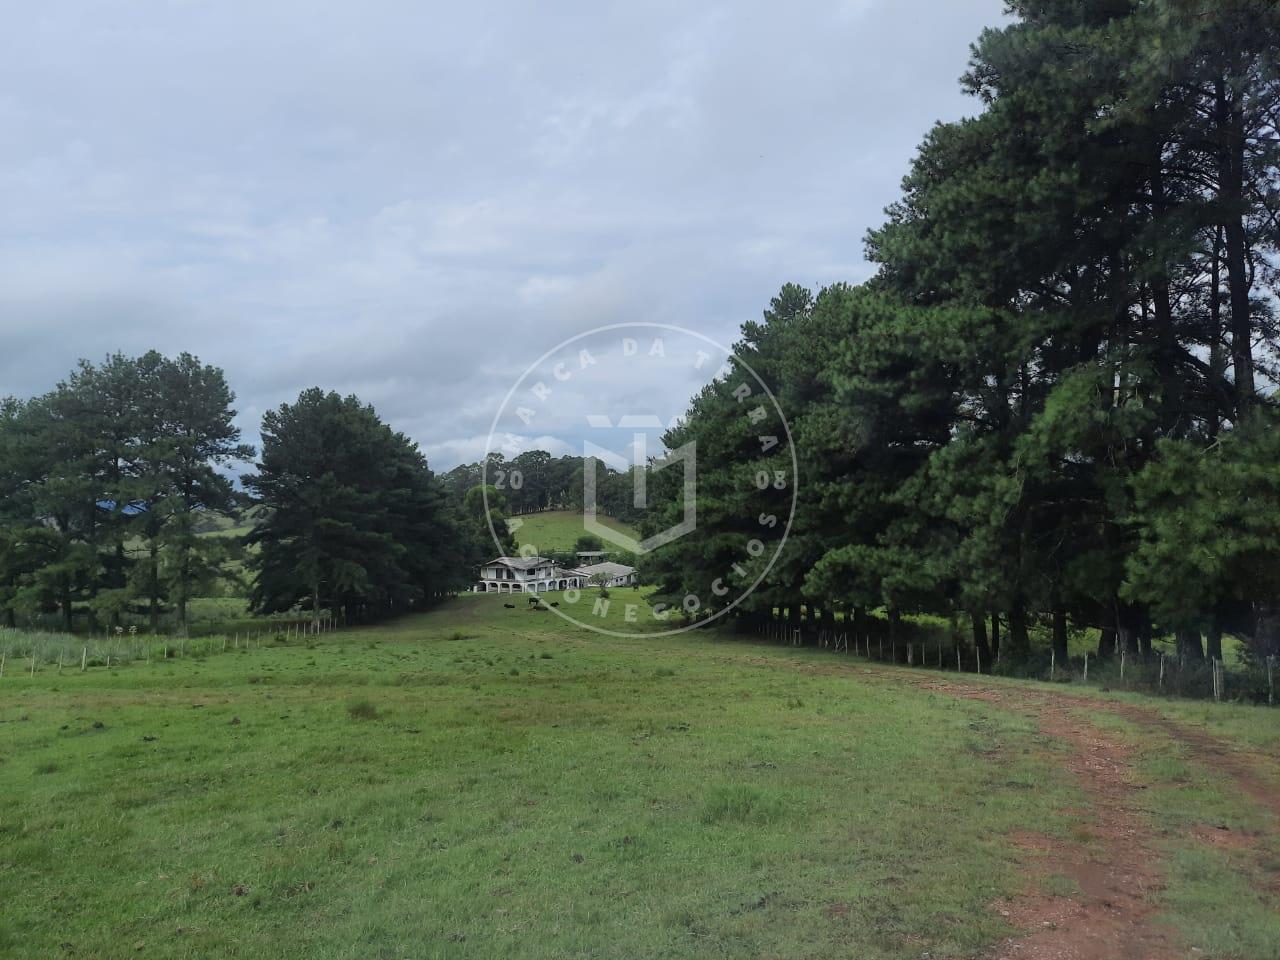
(412, 202)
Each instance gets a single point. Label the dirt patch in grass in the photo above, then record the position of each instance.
(1224, 838)
(1111, 911)
(1210, 752)
(1116, 864)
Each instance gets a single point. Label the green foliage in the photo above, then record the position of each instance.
(1055, 398)
(350, 515)
(103, 480)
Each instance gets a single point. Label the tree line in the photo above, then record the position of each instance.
(107, 480)
(1054, 403)
(534, 481)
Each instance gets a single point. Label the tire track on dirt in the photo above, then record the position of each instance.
(1117, 867)
(1117, 872)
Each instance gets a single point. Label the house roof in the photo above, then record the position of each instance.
(520, 563)
(609, 568)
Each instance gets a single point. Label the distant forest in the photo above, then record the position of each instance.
(535, 481)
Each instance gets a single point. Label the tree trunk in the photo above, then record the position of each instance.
(1217, 364)
(315, 603)
(1127, 630)
(1144, 639)
(1189, 644)
(980, 636)
(1060, 634)
(1214, 639)
(1231, 173)
(1019, 639)
(184, 572)
(1106, 643)
(153, 587)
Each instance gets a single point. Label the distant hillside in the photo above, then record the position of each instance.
(556, 531)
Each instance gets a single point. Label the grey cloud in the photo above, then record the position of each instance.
(412, 201)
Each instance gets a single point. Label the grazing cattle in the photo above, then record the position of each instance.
(533, 601)
(556, 603)
(509, 606)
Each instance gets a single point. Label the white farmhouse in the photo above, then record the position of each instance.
(526, 575)
(619, 574)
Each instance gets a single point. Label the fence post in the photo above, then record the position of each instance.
(2, 656)
(84, 659)
(1162, 671)
(959, 668)
(977, 652)
(1121, 664)
(1086, 668)
(1053, 665)
(1271, 687)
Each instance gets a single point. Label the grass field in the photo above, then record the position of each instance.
(485, 782)
(556, 531)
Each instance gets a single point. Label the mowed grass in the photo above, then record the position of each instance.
(486, 782)
(556, 531)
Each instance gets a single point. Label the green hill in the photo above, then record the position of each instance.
(556, 531)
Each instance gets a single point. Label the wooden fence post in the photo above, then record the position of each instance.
(84, 659)
(1271, 686)
(1086, 668)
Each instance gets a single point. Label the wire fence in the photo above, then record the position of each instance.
(31, 652)
(1156, 673)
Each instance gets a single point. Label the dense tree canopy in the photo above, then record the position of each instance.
(352, 516)
(101, 482)
(1055, 399)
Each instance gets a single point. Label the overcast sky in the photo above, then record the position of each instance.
(414, 201)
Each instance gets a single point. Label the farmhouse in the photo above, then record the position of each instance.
(526, 575)
(540, 575)
(619, 574)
